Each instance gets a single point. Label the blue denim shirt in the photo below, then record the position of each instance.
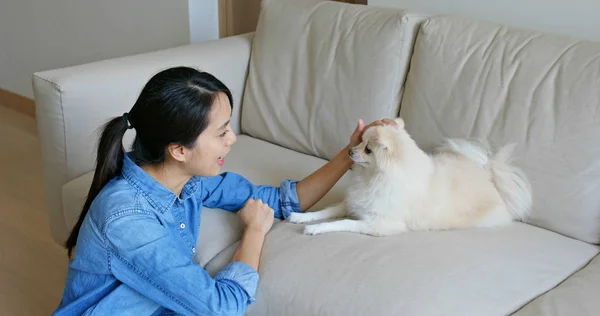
(135, 248)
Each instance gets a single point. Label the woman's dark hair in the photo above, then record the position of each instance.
(173, 107)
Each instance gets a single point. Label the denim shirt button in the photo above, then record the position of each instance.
(194, 250)
(182, 225)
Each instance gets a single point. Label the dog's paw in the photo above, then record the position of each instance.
(298, 218)
(313, 229)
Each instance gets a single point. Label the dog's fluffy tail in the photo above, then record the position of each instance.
(511, 182)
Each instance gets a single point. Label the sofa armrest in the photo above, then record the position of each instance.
(73, 103)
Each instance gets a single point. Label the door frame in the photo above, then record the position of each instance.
(225, 18)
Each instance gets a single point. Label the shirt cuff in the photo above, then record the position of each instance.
(289, 198)
(243, 275)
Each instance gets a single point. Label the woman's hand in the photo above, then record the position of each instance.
(258, 219)
(257, 215)
(356, 137)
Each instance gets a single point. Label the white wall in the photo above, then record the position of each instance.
(577, 18)
(39, 35)
(204, 20)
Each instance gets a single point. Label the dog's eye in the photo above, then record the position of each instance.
(368, 151)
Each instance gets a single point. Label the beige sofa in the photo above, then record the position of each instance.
(300, 83)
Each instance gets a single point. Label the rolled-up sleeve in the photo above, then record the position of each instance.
(142, 254)
(230, 191)
(288, 198)
(243, 275)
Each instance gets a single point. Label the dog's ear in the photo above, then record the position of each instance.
(400, 123)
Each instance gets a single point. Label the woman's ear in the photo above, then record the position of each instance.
(177, 151)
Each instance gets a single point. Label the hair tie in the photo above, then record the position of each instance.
(126, 120)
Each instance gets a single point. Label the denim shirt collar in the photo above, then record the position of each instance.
(157, 194)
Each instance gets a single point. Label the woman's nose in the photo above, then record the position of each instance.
(233, 139)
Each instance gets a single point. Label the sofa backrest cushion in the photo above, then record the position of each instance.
(317, 67)
(541, 91)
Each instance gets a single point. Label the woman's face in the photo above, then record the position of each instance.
(213, 144)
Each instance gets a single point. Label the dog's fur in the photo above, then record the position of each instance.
(397, 187)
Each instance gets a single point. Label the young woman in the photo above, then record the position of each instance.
(137, 232)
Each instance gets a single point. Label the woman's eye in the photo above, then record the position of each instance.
(224, 133)
(367, 150)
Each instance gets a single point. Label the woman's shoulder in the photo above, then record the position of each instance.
(118, 199)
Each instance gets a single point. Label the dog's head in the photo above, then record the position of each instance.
(382, 146)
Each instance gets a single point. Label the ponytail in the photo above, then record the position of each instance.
(109, 164)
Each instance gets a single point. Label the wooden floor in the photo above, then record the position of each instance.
(32, 266)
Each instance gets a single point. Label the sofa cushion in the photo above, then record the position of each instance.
(317, 67)
(461, 272)
(578, 295)
(477, 79)
(258, 161)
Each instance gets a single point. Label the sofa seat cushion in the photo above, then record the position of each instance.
(258, 161)
(461, 272)
(478, 79)
(578, 295)
(318, 66)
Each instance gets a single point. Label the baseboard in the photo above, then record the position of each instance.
(17, 102)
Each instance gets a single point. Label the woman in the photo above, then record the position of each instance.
(136, 234)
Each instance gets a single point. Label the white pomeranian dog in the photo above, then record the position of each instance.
(397, 187)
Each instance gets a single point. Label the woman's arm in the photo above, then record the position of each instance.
(230, 191)
(312, 188)
(257, 216)
(250, 248)
(150, 263)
